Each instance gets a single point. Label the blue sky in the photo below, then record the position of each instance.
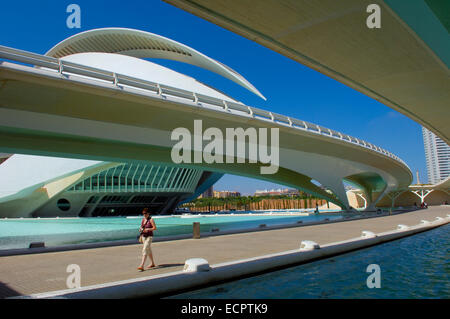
(290, 88)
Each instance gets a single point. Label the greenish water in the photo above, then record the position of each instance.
(412, 267)
(18, 233)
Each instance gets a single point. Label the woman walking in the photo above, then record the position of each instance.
(146, 231)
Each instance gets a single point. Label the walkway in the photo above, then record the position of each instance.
(35, 273)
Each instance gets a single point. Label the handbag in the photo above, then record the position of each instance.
(141, 235)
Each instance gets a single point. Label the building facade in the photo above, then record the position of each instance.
(276, 192)
(437, 155)
(41, 186)
(225, 194)
(207, 193)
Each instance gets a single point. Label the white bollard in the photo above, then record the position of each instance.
(307, 245)
(402, 227)
(196, 265)
(368, 234)
(425, 222)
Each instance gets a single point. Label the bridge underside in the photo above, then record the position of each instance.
(66, 118)
(404, 64)
(372, 185)
(62, 146)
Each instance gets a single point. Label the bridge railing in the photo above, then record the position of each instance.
(68, 68)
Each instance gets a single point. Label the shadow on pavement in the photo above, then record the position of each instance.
(167, 266)
(6, 291)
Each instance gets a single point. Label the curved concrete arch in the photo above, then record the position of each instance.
(144, 70)
(437, 197)
(422, 191)
(92, 124)
(373, 185)
(413, 194)
(323, 168)
(142, 44)
(404, 64)
(409, 197)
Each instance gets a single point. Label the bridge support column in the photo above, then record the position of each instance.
(422, 194)
(339, 190)
(369, 205)
(363, 198)
(393, 196)
(372, 203)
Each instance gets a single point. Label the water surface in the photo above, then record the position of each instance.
(19, 233)
(412, 267)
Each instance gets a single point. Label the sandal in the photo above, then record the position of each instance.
(152, 266)
(140, 268)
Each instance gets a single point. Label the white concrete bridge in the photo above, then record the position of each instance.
(404, 64)
(90, 102)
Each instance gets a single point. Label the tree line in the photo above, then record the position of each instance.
(255, 202)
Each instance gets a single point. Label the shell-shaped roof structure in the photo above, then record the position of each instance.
(142, 44)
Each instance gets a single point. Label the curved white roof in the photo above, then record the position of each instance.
(444, 184)
(22, 172)
(145, 70)
(143, 44)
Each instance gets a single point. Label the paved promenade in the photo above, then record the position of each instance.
(36, 273)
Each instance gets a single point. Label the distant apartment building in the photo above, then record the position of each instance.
(437, 155)
(208, 193)
(225, 194)
(275, 192)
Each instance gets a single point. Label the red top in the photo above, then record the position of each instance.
(145, 224)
